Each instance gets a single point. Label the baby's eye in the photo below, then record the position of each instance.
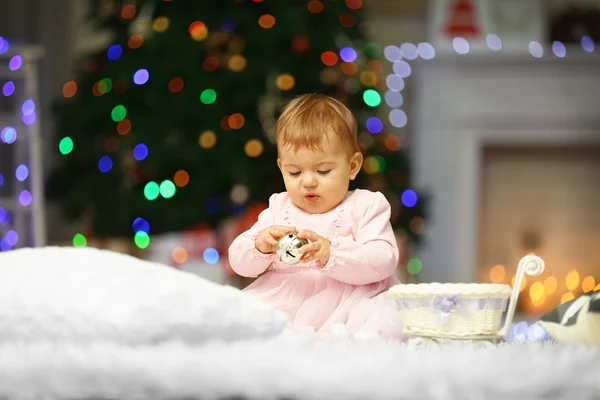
(324, 172)
(294, 173)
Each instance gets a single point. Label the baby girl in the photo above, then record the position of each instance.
(352, 253)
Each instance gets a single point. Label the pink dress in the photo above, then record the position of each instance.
(348, 292)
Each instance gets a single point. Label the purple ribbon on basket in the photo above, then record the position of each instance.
(446, 305)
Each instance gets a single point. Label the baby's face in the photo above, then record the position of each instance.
(317, 181)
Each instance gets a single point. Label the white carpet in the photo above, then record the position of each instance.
(296, 368)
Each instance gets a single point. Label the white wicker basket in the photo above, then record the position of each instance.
(461, 310)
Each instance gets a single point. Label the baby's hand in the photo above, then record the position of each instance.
(266, 241)
(318, 249)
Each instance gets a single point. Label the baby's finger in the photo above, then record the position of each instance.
(308, 234)
(307, 248)
(311, 257)
(279, 231)
(272, 240)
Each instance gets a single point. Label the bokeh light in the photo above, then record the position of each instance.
(65, 146)
(181, 178)
(371, 98)
(118, 113)
(374, 125)
(114, 52)
(141, 76)
(8, 88)
(167, 189)
(15, 63)
(151, 190)
(22, 172)
(140, 152)
(79, 240)
(141, 239)
(414, 266)
(25, 198)
(409, 198)
(8, 135)
(493, 42)
(105, 164)
(140, 225)
(211, 256)
(208, 96)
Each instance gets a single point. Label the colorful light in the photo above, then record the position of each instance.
(315, 6)
(118, 113)
(4, 217)
(460, 45)
(402, 69)
(394, 99)
(394, 83)
(12, 238)
(167, 189)
(114, 52)
(65, 146)
(22, 172)
(493, 42)
(211, 256)
(329, 58)
(392, 53)
(1, 179)
(25, 198)
(559, 49)
(587, 44)
(409, 198)
(208, 96)
(8, 135)
(414, 266)
(105, 164)
(371, 98)
(348, 54)
(141, 76)
(28, 107)
(15, 63)
(141, 239)
(79, 240)
(140, 152)
(4, 46)
(181, 178)
(374, 125)
(266, 21)
(8, 89)
(536, 49)
(409, 51)
(140, 225)
(398, 118)
(372, 50)
(151, 190)
(28, 119)
(426, 51)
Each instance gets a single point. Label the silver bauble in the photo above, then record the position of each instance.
(288, 246)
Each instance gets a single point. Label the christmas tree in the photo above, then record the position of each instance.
(171, 125)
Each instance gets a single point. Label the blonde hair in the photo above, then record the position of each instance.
(308, 119)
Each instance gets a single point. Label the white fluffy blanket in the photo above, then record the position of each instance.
(294, 368)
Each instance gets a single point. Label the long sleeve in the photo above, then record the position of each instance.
(373, 255)
(244, 258)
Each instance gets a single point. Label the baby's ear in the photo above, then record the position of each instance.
(355, 164)
(279, 163)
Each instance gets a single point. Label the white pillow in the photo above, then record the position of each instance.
(82, 294)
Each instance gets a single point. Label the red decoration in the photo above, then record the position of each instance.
(300, 44)
(462, 20)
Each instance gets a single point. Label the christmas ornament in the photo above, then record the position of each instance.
(288, 246)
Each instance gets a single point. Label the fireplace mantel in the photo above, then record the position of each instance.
(464, 102)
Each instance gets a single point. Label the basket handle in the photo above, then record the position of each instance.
(530, 265)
